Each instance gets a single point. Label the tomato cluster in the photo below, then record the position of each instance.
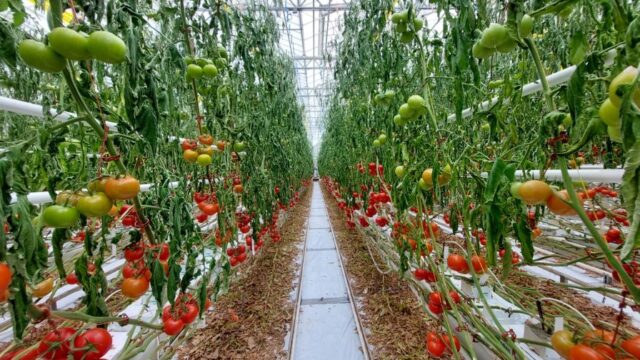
(406, 24)
(99, 202)
(184, 311)
(440, 344)
(437, 303)
(201, 154)
(237, 255)
(69, 44)
(424, 274)
(597, 344)
(136, 273)
(91, 344)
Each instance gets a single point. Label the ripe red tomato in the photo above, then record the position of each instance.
(188, 144)
(190, 313)
(71, 279)
(458, 263)
(435, 309)
(206, 139)
(5, 277)
(202, 217)
(479, 264)
(599, 340)
(133, 252)
(92, 344)
(435, 298)
(632, 346)
(55, 345)
(134, 287)
(209, 208)
(172, 326)
(21, 354)
(583, 352)
(455, 296)
(435, 345)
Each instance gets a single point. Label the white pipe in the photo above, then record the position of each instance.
(25, 108)
(554, 79)
(613, 176)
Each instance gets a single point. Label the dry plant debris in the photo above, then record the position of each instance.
(394, 322)
(252, 319)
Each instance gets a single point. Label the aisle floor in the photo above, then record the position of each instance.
(326, 326)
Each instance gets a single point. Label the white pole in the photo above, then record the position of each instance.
(554, 79)
(25, 108)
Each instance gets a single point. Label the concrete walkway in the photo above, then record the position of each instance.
(326, 327)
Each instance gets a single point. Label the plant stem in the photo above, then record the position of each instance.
(611, 259)
(541, 74)
(76, 316)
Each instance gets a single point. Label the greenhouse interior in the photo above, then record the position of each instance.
(320, 179)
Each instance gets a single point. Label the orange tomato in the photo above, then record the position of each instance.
(134, 287)
(124, 188)
(43, 288)
(558, 204)
(206, 139)
(535, 192)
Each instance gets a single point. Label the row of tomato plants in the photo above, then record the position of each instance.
(248, 137)
(391, 109)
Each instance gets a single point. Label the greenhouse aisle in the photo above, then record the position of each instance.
(326, 327)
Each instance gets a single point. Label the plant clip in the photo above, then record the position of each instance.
(108, 158)
(124, 320)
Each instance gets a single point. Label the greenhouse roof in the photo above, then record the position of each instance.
(310, 31)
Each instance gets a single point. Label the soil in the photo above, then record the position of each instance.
(394, 322)
(251, 321)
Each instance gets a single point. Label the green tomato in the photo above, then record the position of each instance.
(566, 11)
(194, 72)
(423, 185)
(400, 171)
(417, 24)
(416, 102)
(406, 37)
(626, 77)
(389, 94)
(398, 120)
(203, 62)
(615, 133)
(401, 28)
(221, 63)
(60, 217)
(188, 60)
(376, 143)
(210, 70)
(485, 126)
(107, 47)
(41, 57)
(526, 26)
(96, 205)
(515, 189)
(400, 17)
(69, 44)
(481, 52)
(494, 36)
(222, 52)
(204, 160)
(382, 139)
(406, 112)
(567, 121)
(609, 113)
(238, 146)
(508, 45)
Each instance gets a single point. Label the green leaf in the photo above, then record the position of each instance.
(19, 302)
(493, 182)
(157, 281)
(57, 240)
(506, 260)
(631, 201)
(578, 48)
(575, 91)
(523, 233)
